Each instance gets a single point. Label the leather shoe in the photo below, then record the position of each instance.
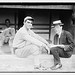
(55, 67)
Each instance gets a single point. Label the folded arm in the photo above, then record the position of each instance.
(31, 39)
(39, 38)
(71, 43)
(34, 39)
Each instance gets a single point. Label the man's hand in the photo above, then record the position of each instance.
(44, 46)
(6, 39)
(48, 49)
(66, 47)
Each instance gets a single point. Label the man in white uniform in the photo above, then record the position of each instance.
(26, 42)
(7, 35)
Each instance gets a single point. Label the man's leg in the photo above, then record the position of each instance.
(10, 45)
(29, 50)
(26, 51)
(36, 53)
(57, 52)
(1, 44)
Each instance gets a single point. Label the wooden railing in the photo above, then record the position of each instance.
(41, 29)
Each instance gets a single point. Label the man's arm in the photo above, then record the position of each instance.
(70, 41)
(35, 41)
(31, 39)
(39, 38)
(12, 33)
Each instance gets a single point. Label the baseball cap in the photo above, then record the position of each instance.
(28, 18)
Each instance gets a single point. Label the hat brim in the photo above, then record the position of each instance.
(31, 19)
(61, 24)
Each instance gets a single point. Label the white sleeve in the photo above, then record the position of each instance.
(31, 39)
(39, 38)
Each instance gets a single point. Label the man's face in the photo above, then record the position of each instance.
(28, 24)
(57, 29)
(7, 23)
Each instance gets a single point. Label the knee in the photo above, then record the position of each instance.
(68, 55)
(53, 50)
(36, 53)
(35, 50)
(35, 47)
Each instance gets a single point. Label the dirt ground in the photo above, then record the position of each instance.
(11, 63)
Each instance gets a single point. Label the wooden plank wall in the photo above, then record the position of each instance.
(42, 30)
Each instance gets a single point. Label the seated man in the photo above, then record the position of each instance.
(7, 34)
(26, 42)
(64, 44)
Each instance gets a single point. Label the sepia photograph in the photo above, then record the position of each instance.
(37, 37)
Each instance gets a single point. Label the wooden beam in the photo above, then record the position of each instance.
(38, 6)
(40, 28)
(42, 33)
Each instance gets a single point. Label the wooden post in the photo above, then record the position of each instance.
(15, 19)
(50, 26)
(73, 20)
